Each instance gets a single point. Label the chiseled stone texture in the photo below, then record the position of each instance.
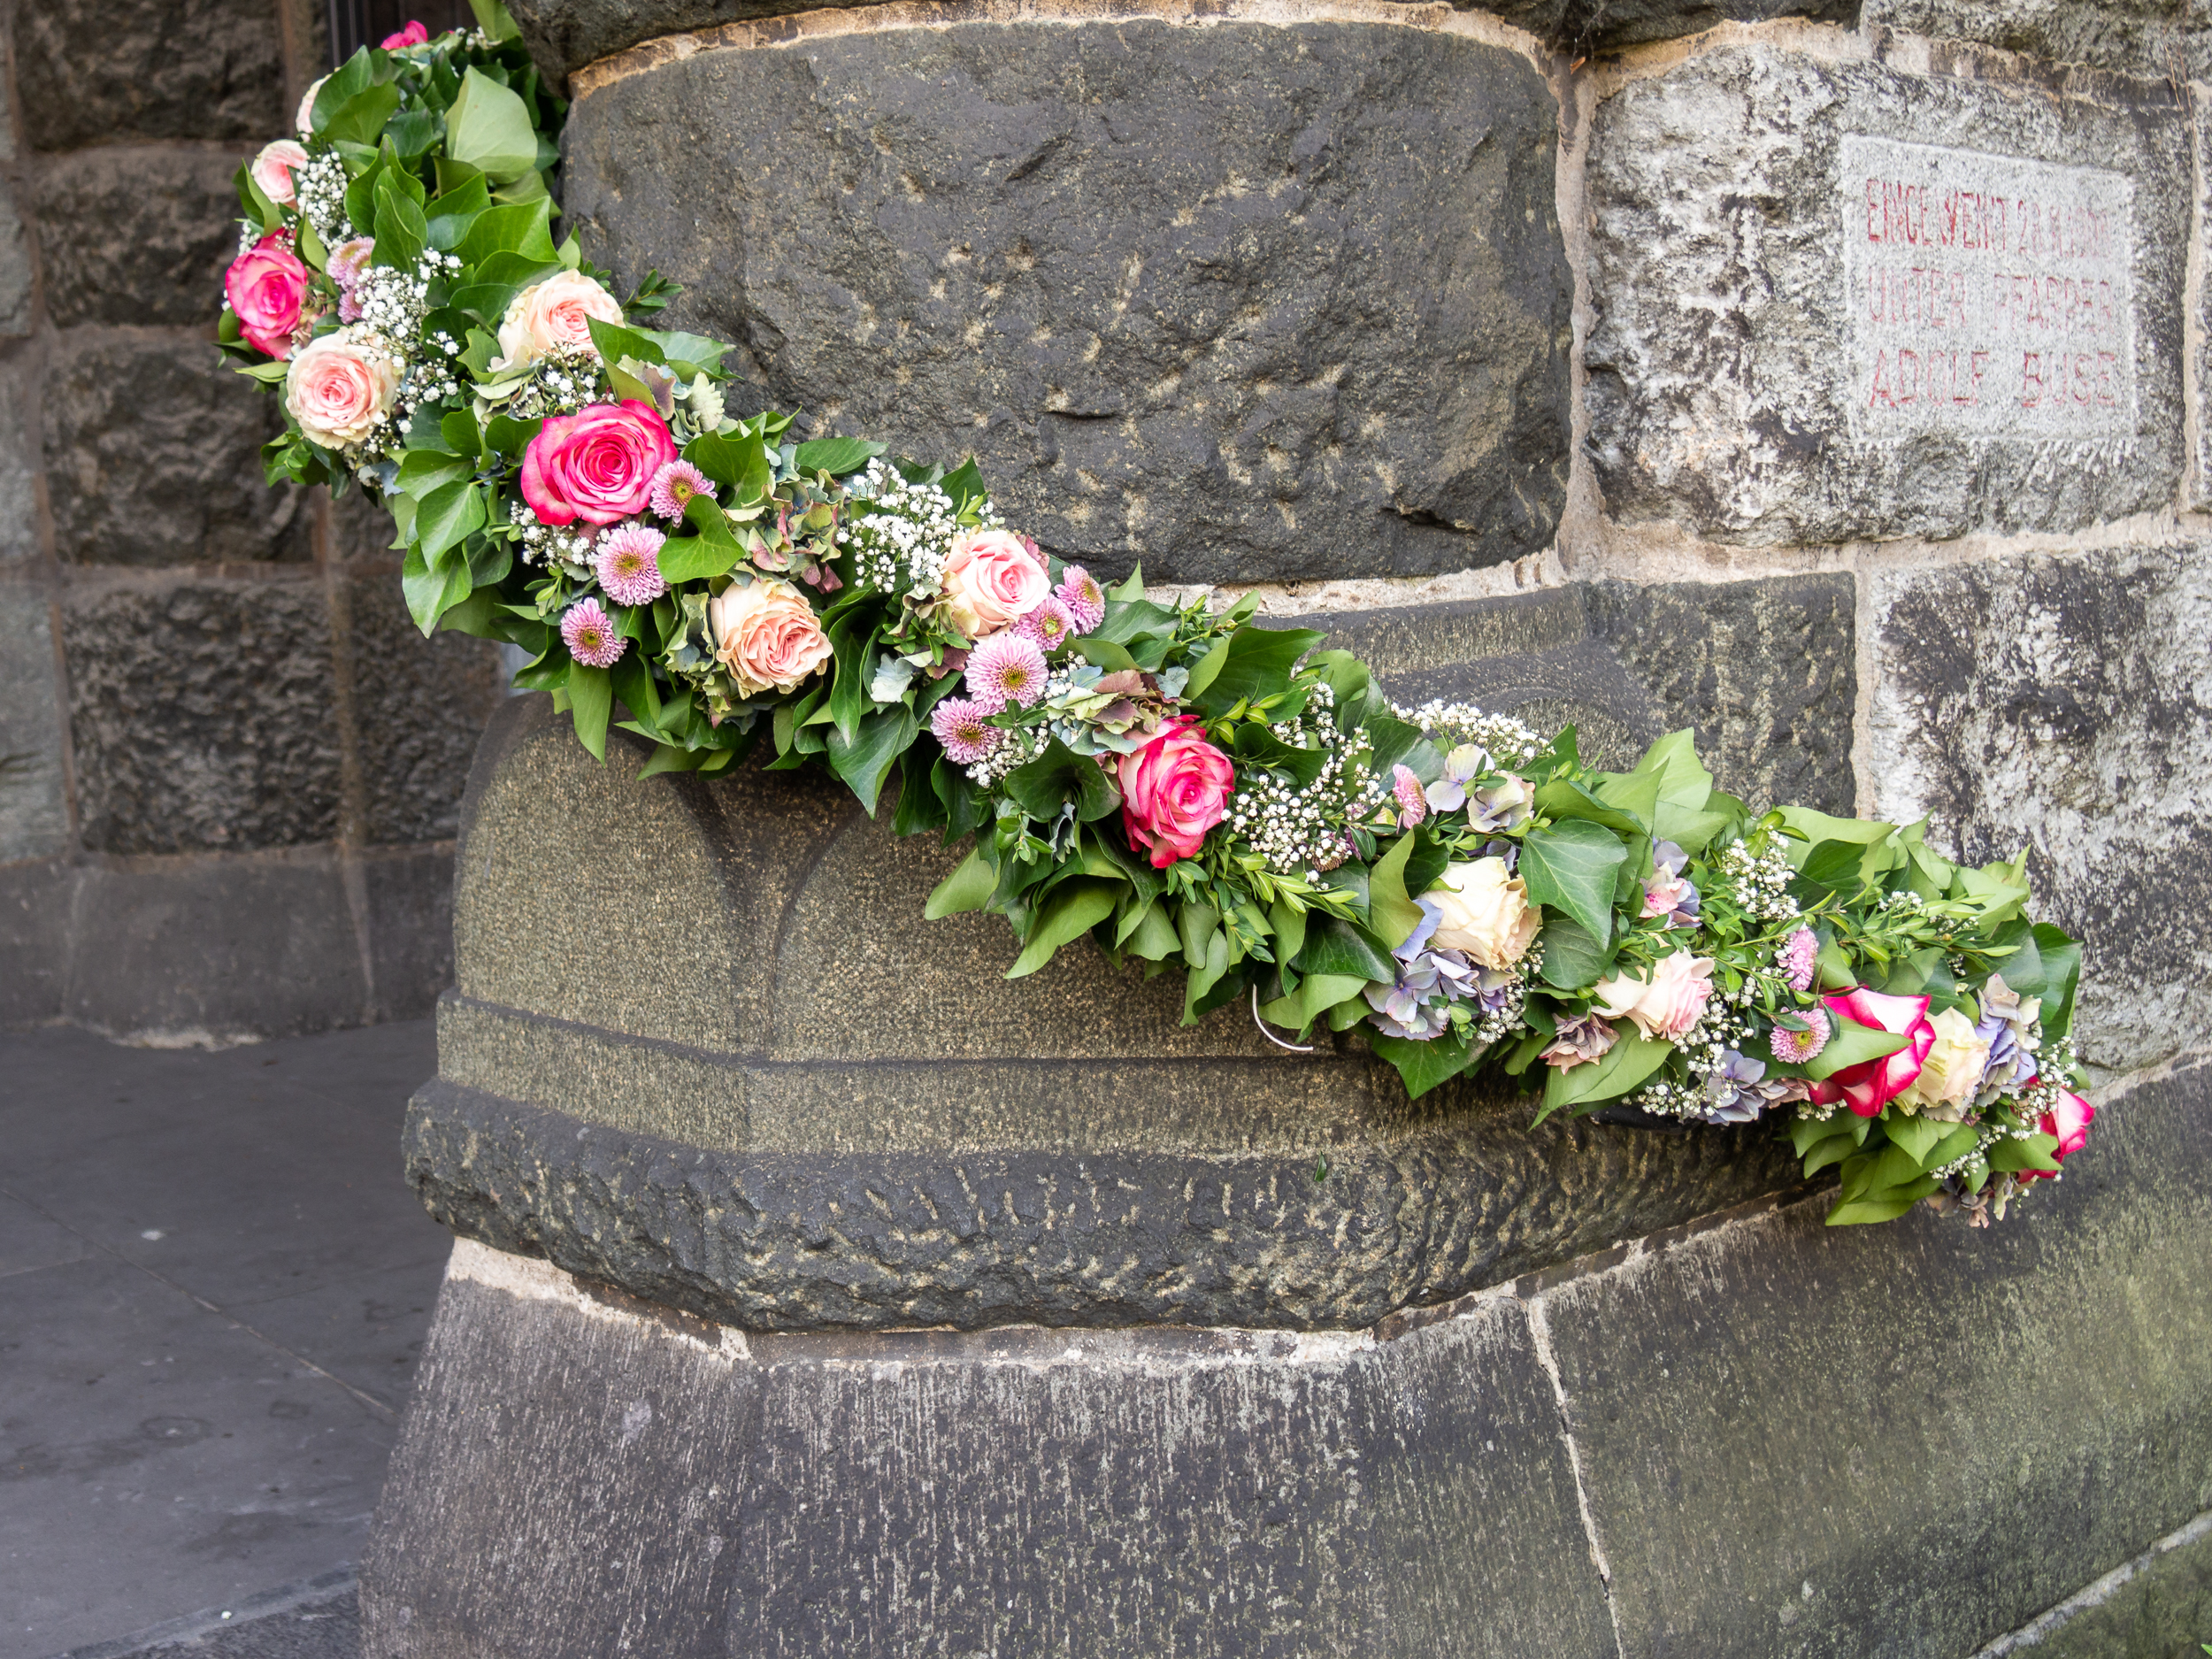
(202, 713)
(153, 455)
(1025, 1493)
(2059, 701)
(2162, 1607)
(19, 459)
(1905, 1440)
(1718, 385)
(136, 234)
(410, 895)
(100, 71)
(1246, 302)
(419, 708)
(1764, 670)
(2143, 37)
(33, 808)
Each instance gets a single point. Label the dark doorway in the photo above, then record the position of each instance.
(357, 23)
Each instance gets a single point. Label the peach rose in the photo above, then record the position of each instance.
(550, 313)
(991, 581)
(766, 635)
(1952, 1071)
(339, 386)
(1665, 1005)
(1486, 913)
(305, 120)
(271, 169)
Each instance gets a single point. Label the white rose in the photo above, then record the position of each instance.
(1486, 913)
(339, 386)
(552, 313)
(1952, 1071)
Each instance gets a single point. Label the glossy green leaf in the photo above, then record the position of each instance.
(1391, 909)
(1070, 910)
(1424, 1066)
(865, 761)
(590, 700)
(966, 888)
(1625, 1066)
(837, 457)
(490, 128)
(1573, 956)
(1570, 866)
(448, 514)
(1060, 775)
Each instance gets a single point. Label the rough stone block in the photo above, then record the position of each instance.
(36, 903)
(135, 235)
(97, 71)
(1157, 276)
(2057, 701)
(152, 456)
(409, 894)
(418, 707)
(202, 711)
(34, 800)
(2155, 38)
(15, 264)
(20, 459)
(215, 949)
(1837, 301)
(1764, 670)
(1902, 1439)
(2159, 1606)
(1025, 1493)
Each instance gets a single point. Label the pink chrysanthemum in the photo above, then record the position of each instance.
(1051, 625)
(629, 566)
(590, 634)
(674, 486)
(1413, 804)
(1795, 959)
(1086, 601)
(1797, 1047)
(1006, 668)
(964, 727)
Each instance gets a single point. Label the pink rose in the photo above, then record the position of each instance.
(1667, 1004)
(1867, 1088)
(340, 387)
(765, 633)
(992, 582)
(596, 464)
(2069, 1121)
(413, 34)
(550, 314)
(1173, 790)
(266, 286)
(271, 169)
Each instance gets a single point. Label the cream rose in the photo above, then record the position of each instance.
(1485, 913)
(550, 313)
(991, 583)
(1667, 1004)
(271, 169)
(339, 386)
(1952, 1073)
(766, 635)
(305, 120)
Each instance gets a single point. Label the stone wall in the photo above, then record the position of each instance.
(229, 768)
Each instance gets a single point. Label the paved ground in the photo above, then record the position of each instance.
(213, 1287)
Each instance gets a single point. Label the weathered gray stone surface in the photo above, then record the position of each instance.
(1726, 389)
(19, 457)
(410, 903)
(97, 71)
(2156, 38)
(1027, 1492)
(136, 234)
(805, 1116)
(1787, 1442)
(1764, 670)
(34, 805)
(1902, 1439)
(418, 707)
(153, 455)
(2059, 702)
(2163, 1608)
(1244, 301)
(34, 905)
(566, 35)
(201, 713)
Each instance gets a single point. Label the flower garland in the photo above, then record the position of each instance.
(1191, 789)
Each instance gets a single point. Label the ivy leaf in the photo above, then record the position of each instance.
(1573, 956)
(401, 230)
(1631, 1058)
(1070, 910)
(431, 592)
(1252, 663)
(1338, 947)
(1571, 867)
(1424, 1066)
(1390, 907)
(1060, 775)
(865, 760)
(448, 514)
(837, 457)
(522, 228)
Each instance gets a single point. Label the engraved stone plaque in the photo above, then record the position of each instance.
(1985, 296)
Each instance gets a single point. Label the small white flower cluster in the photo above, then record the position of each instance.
(560, 382)
(1300, 831)
(900, 535)
(1491, 1025)
(321, 184)
(1449, 725)
(1758, 882)
(1704, 1047)
(1904, 899)
(1018, 747)
(543, 543)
